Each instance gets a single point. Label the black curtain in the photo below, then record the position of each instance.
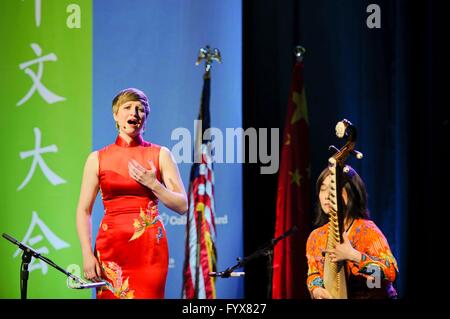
(389, 82)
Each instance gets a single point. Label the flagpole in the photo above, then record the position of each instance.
(209, 56)
(299, 53)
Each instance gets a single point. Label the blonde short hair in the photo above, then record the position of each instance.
(130, 94)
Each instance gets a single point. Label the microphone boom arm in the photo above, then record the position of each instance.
(264, 250)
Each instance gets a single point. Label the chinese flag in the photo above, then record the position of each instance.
(293, 201)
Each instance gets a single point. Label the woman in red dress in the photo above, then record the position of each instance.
(133, 175)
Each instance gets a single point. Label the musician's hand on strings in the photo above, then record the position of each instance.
(344, 251)
(321, 293)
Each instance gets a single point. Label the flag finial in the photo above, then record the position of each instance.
(299, 53)
(209, 56)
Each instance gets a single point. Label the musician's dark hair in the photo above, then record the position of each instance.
(356, 193)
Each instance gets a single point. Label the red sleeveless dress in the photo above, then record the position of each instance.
(131, 244)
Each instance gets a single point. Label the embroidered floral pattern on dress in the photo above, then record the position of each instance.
(159, 235)
(116, 284)
(146, 220)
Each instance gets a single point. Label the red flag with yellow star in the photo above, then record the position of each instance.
(293, 202)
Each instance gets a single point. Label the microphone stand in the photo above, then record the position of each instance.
(265, 250)
(28, 253)
(26, 259)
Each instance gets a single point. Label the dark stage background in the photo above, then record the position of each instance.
(390, 83)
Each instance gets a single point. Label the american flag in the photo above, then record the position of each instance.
(200, 255)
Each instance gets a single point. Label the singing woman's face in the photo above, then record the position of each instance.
(131, 118)
(324, 195)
